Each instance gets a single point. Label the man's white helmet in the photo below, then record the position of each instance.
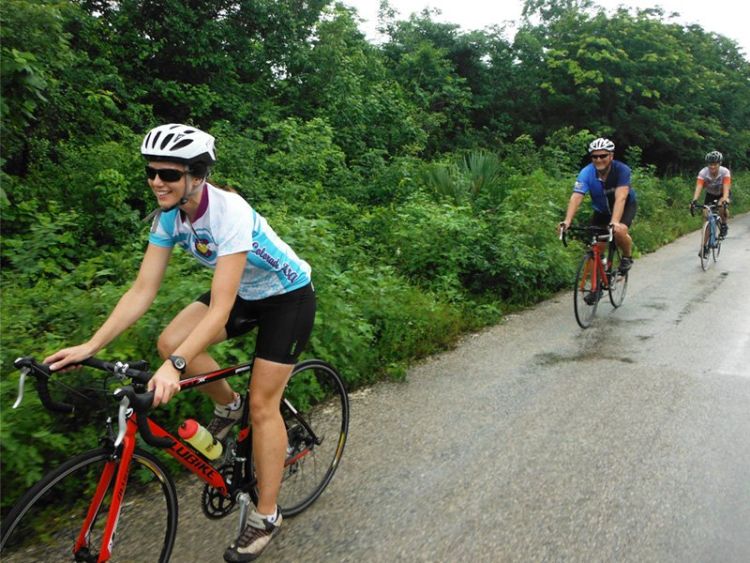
(601, 144)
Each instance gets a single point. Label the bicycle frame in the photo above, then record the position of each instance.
(599, 273)
(182, 452)
(712, 217)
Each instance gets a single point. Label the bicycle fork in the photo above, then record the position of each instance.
(81, 550)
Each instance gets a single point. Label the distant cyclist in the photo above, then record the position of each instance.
(607, 181)
(718, 182)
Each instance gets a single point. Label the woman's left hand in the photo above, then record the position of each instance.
(165, 384)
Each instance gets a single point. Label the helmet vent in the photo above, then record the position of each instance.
(166, 140)
(183, 143)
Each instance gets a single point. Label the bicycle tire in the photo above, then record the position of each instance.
(45, 522)
(705, 238)
(317, 392)
(618, 281)
(585, 297)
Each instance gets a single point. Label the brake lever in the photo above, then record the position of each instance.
(122, 419)
(21, 382)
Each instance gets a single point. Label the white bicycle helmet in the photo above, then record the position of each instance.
(179, 143)
(714, 156)
(601, 144)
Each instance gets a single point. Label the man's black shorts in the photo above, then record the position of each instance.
(603, 219)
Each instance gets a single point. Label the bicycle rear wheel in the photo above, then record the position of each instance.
(618, 281)
(46, 521)
(315, 408)
(585, 295)
(705, 238)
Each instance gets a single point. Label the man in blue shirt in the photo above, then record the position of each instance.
(607, 181)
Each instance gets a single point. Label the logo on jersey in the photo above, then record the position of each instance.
(201, 246)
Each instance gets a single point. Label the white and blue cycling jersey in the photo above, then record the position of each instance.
(226, 224)
(603, 191)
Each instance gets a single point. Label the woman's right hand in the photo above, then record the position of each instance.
(69, 358)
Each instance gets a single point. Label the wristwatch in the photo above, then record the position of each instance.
(179, 363)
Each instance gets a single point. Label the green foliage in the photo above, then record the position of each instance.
(48, 247)
(304, 156)
(33, 48)
(668, 89)
(475, 176)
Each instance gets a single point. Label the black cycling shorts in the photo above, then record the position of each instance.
(284, 322)
(711, 198)
(604, 219)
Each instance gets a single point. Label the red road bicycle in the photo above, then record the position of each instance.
(121, 497)
(598, 271)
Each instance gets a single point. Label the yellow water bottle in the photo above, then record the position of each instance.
(200, 438)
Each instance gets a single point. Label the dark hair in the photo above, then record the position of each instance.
(199, 170)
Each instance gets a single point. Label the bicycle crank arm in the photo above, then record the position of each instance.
(244, 501)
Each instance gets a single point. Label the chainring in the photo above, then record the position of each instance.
(214, 504)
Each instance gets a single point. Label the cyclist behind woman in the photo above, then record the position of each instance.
(607, 181)
(258, 280)
(718, 182)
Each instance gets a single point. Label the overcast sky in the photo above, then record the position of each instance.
(726, 17)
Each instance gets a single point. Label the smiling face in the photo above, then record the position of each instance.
(167, 181)
(713, 168)
(601, 160)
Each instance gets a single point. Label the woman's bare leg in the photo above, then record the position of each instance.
(269, 434)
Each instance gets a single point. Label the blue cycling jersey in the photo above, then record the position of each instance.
(603, 191)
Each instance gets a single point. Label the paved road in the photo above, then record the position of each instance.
(537, 441)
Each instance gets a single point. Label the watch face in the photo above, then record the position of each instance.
(178, 362)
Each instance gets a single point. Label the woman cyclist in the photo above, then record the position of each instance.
(258, 281)
(717, 180)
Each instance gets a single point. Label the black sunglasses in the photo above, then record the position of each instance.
(166, 174)
(599, 156)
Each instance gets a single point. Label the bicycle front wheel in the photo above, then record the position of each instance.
(315, 409)
(585, 295)
(618, 281)
(47, 520)
(716, 250)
